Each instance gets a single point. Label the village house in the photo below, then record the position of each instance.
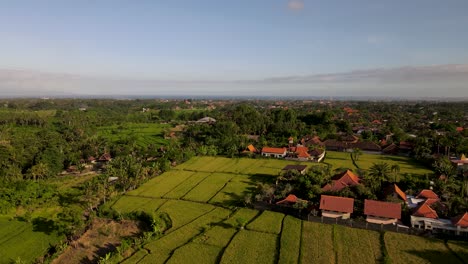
(302, 169)
(461, 164)
(317, 154)
(291, 200)
(395, 192)
(379, 212)
(341, 181)
(274, 152)
(336, 207)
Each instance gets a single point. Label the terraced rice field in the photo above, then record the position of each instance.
(199, 197)
(22, 241)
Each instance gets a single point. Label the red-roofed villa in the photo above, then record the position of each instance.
(274, 152)
(341, 181)
(382, 212)
(335, 206)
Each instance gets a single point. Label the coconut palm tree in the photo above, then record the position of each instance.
(378, 173)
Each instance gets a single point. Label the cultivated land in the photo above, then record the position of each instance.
(24, 241)
(144, 134)
(199, 197)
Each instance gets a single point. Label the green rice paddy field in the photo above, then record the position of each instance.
(23, 241)
(143, 134)
(200, 197)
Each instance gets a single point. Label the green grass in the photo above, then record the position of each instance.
(187, 185)
(365, 161)
(143, 134)
(195, 253)
(268, 221)
(412, 249)
(346, 239)
(251, 247)
(217, 236)
(18, 240)
(208, 188)
(317, 243)
(159, 186)
(183, 212)
(460, 248)
(290, 240)
(234, 191)
(136, 257)
(127, 204)
(179, 237)
(243, 213)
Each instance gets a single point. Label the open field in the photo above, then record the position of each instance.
(24, 241)
(413, 249)
(198, 196)
(365, 161)
(143, 134)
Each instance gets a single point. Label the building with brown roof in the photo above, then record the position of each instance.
(274, 152)
(291, 200)
(300, 168)
(379, 212)
(427, 194)
(336, 207)
(341, 181)
(394, 191)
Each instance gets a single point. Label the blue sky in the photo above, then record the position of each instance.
(225, 41)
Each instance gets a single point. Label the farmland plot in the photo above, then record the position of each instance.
(412, 249)
(244, 214)
(270, 222)
(187, 185)
(127, 204)
(353, 244)
(251, 247)
(234, 191)
(195, 253)
(183, 212)
(217, 236)
(163, 184)
(317, 243)
(20, 241)
(460, 248)
(208, 188)
(290, 240)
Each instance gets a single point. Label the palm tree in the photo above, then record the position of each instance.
(378, 173)
(395, 169)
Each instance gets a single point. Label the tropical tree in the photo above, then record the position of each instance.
(395, 168)
(378, 173)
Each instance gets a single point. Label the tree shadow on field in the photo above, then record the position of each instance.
(435, 256)
(262, 178)
(100, 252)
(41, 224)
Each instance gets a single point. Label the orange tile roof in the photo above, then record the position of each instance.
(382, 209)
(274, 150)
(251, 148)
(336, 203)
(400, 193)
(340, 181)
(461, 220)
(303, 154)
(427, 194)
(424, 210)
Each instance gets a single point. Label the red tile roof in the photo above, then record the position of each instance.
(340, 181)
(427, 194)
(336, 203)
(303, 154)
(460, 129)
(289, 199)
(382, 209)
(461, 220)
(424, 210)
(274, 150)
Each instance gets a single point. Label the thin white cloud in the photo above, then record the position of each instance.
(433, 80)
(295, 5)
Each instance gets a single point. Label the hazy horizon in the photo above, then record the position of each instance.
(237, 48)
